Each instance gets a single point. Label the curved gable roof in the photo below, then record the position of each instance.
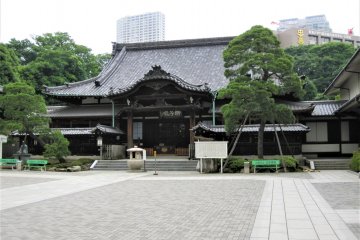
(196, 62)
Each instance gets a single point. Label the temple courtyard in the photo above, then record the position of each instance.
(87, 205)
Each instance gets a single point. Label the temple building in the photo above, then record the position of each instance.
(161, 96)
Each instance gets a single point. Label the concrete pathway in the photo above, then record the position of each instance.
(179, 205)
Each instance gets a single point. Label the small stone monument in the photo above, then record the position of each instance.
(137, 158)
(23, 153)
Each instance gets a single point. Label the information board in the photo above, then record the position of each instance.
(213, 149)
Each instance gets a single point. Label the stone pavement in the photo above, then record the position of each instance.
(179, 205)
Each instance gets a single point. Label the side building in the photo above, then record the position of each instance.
(303, 36)
(316, 22)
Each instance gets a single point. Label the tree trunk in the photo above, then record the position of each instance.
(260, 146)
(236, 140)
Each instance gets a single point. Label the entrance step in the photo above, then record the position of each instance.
(161, 165)
(330, 164)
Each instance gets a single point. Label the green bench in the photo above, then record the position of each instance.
(40, 164)
(8, 162)
(268, 164)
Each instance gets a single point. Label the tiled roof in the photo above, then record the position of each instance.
(298, 107)
(353, 104)
(97, 110)
(326, 108)
(64, 131)
(255, 128)
(80, 131)
(191, 62)
(74, 131)
(108, 129)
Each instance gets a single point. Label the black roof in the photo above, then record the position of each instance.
(297, 127)
(196, 62)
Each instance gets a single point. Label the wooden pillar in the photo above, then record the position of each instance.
(130, 141)
(192, 124)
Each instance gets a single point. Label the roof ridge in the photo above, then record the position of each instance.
(100, 75)
(325, 101)
(176, 43)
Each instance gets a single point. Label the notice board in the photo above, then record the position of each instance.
(213, 149)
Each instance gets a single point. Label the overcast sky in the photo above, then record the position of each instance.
(93, 22)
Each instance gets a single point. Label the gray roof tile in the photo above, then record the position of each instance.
(99, 110)
(326, 108)
(297, 127)
(194, 61)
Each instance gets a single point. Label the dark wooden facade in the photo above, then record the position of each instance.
(158, 112)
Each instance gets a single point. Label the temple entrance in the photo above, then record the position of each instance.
(166, 136)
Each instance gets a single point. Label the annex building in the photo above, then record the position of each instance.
(161, 96)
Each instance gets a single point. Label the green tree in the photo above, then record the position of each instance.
(24, 49)
(9, 65)
(58, 148)
(310, 90)
(22, 110)
(258, 70)
(54, 58)
(321, 63)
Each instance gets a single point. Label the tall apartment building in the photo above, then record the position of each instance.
(305, 36)
(316, 23)
(148, 27)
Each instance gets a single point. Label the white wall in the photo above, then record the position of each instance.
(320, 148)
(318, 133)
(351, 87)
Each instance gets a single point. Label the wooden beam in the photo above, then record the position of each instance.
(130, 141)
(192, 124)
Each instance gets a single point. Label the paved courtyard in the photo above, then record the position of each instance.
(179, 205)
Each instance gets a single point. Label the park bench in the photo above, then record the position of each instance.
(8, 162)
(40, 164)
(268, 164)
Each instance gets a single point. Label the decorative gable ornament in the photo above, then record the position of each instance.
(156, 73)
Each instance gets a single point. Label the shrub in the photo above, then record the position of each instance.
(236, 164)
(59, 148)
(82, 161)
(290, 162)
(62, 165)
(355, 161)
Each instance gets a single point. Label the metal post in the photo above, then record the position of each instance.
(214, 94)
(221, 165)
(155, 173)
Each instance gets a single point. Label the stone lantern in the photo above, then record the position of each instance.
(137, 158)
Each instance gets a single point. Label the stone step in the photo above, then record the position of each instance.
(335, 164)
(162, 165)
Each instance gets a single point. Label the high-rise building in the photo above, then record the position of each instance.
(316, 23)
(148, 27)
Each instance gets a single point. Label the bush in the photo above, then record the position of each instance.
(82, 161)
(59, 148)
(355, 161)
(62, 165)
(290, 162)
(236, 164)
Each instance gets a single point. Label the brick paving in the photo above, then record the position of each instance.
(340, 195)
(7, 182)
(178, 205)
(223, 209)
(344, 198)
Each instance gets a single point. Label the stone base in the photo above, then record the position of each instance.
(134, 164)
